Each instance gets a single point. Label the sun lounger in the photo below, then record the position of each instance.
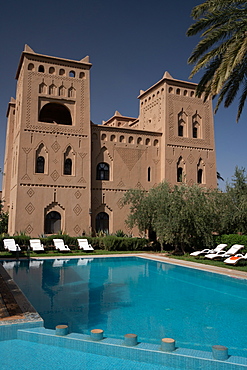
(35, 245)
(219, 248)
(59, 245)
(83, 244)
(221, 255)
(233, 260)
(11, 246)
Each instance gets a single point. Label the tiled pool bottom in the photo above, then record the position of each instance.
(24, 355)
(35, 347)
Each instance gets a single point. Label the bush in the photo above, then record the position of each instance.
(232, 239)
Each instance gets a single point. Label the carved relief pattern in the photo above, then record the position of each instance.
(95, 201)
(77, 229)
(55, 146)
(29, 229)
(130, 156)
(191, 158)
(27, 150)
(30, 192)
(30, 208)
(77, 209)
(26, 177)
(55, 175)
(121, 184)
(120, 204)
(173, 122)
(82, 180)
(77, 194)
(29, 94)
(169, 161)
(139, 185)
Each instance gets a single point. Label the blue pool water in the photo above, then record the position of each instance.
(135, 295)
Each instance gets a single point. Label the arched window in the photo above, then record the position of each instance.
(30, 67)
(55, 112)
(52, 223)
(72, 74)
(180, 130)
(103, 172)
(195, 130)
(40, 165)
(179, 174)
(131, 140)
(51, 70)
(102, 222)
(199, 176)
(67, 167)
(149, 174)
(61, 72)
(41, 69)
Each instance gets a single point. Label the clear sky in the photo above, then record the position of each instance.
(131, 43)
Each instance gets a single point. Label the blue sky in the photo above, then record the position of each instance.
(130, 43)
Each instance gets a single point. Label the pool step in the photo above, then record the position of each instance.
(181, 358)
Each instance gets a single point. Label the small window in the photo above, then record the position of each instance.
(72, 74)
(113, 138)
(51, 70)
(149, 174)
(40, 165)
(122, 139)
(179, 174)
(199, 176)
(170, 90)
(67, 166)
(178, 91)
(139, 140)
(195, 132)
(103, 137)
(41, 69)
(61, 72)
(102, 171)
(30, 67)
(131, 140)
(192, 94)
(180, 130)
(156, 142)
(147, 141)
(81, 75)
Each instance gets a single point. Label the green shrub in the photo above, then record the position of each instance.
(232, 239)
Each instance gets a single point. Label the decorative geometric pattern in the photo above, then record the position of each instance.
(27, 150)
(156, 161)
(30, 208)
(77, 209)
(55, 175)
(55, 161)
(30, 192)
(191, 158)
(55, 146)
(29, 229)
(211, 165)
(77, 194)
(82, 180)
(130, 156)
(169, 161)
(189, 110)
(120, 203)
(95, 200)
(26, 177)
(120, 184)
(139, 185)
(77, 229)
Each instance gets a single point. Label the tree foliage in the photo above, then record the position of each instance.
(222, 50)
(185, 216)
(181, 216)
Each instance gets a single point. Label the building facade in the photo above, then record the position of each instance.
(64, 173)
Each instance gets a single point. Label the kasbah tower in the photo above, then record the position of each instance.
(64, 173)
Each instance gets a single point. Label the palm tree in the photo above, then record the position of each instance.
(222, 51)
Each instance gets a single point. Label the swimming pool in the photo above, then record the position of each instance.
(130, 294)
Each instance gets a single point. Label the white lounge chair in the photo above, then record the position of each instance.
(11, 246)
(221, 255)
(233, 260)
(219, 248)
(83, 244)
(35, 245)
(59, 245)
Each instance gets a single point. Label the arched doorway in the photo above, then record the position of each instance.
(52, 223)
(102, 222)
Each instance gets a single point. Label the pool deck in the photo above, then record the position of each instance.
(15, 307)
